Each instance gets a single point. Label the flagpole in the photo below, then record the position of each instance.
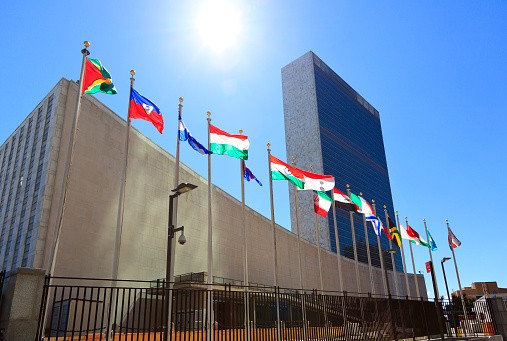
(245, 269)
(431, 255)
(275, 263)
(123, 183)
(413, 265)
(210, 242)
(366, 239)
(338, 253)
(392, 254)
(457, 275)
(303, 304)
(50, 266)
(403, 256)
(380, 252)
(351, 216)
(317, 235)
(296, 203)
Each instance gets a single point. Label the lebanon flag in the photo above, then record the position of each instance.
(282, 171)
(453, 241)
(223, 143)
(321, 203)
(318, 182)
(341, 200)
(97, 78)
(143, 108)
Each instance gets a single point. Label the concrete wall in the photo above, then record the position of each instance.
(86, 244)
(21, 300)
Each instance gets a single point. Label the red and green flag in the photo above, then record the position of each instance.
(282, 171)
(96, 78)
(321, 203)
(223, 143)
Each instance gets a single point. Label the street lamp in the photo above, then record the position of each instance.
(393, 324)
(445, 259)
(180, 189)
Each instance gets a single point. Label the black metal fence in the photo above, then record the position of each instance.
(95, 309)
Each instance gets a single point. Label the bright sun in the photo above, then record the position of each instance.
(219, 25)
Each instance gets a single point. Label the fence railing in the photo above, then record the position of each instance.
(98, 309)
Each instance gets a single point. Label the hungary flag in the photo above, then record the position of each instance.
(341, 200)
(321, 203)
(97, 79)
(223, 143)
(412, 236)
(282, 171)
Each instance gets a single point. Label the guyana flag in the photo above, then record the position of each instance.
(96, 78)
(393, 230)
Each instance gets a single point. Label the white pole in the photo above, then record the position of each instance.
(366, 240)
(413, 265)
(380, 253)
(50, 266)
(459, 282)
(338, 253)
(210, 244)
(351, 216)
(121, 199)
(403, 256)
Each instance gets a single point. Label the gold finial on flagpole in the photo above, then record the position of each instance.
(424, 220)
(132, 73)
(208, 113)
(180, 99)
(241, 131)
(372, 201)
(85, 51)
(361, 193)
(347, 185)
(311, 168)
(447, 220)
(396, 212)
(268, 144)
(385, 207)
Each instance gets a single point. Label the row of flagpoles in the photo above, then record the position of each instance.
(95, 78)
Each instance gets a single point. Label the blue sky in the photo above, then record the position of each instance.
(436, 71)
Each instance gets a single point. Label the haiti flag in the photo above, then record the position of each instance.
(143, 108)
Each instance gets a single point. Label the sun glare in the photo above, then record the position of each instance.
(219, 25)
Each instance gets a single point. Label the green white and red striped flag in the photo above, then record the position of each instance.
(223, 143)
(321, 203)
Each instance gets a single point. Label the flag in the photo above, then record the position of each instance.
(412, 235)
(318, 182)
(393, 230)
(453, 241)
(282, 171)
(431, 243)
(341, 200)
(223, 143)
(143, 108)
(249, 175)
(376, 223)
(321, 203)
(96, 78)
(387, 233)
(363, 205)
(184, 135)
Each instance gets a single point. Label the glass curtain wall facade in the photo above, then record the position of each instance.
(347, 143)
(24, 159)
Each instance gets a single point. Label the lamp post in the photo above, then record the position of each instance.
(390, 302)
(445, 259)
(180, 189)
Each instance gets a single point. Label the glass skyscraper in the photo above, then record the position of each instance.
(332, 128)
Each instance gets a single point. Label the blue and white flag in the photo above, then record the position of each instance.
(184, 135)
(249, 175)
(376, 224)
